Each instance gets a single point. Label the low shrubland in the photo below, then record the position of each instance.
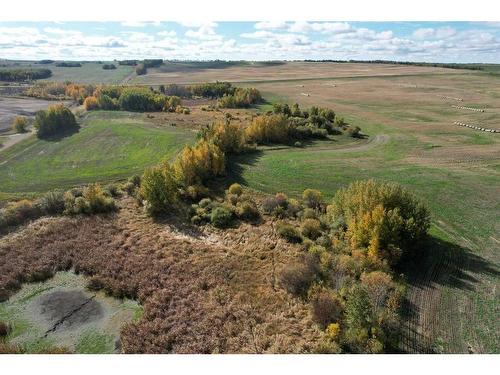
(92, 199)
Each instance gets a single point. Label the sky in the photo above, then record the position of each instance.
(403, 41)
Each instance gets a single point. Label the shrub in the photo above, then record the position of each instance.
(51, 203)
(289, 233)
(90, 103)
(106, 102)
(326, 307)
(171, 103)
(55, 120)
(97, 200)
(247, 211)
(311, 228)
(16, 213)
(221, 217)
(354, 132)
(297, 277)
(159, 188)
(313, 198)
(109, 66)
(293, 207)
(309, 213)
(112, 190)
(235, 189)
(281, 200)
(20, 124)
(382, 217)
(205, 202)
(269, 204)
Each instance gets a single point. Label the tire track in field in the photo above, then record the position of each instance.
(378, 140)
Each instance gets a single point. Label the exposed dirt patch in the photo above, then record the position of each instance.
(62, 312)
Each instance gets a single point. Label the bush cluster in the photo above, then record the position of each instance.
(109, 66)
(241, 98)
(89, 200)
(57, 119)
(353, 290)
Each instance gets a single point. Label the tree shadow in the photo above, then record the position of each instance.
(441, 263)
(448, 264)
(235, 167)
(178, 221)
(59, 136)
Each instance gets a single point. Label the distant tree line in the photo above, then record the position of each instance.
(45, 62)
(16, 75)
(128, 62)
(68, 64)
(414, 63)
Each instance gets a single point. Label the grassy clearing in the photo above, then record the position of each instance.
(108, 146)
(89, 72)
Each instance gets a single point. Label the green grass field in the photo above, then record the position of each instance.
(89, 72)
(108, 146)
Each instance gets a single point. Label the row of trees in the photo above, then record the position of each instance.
(21, 75)
(136, 99)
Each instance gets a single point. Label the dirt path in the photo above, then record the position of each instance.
(12, 139)
(128, 77)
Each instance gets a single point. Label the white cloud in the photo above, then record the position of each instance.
(271, 25)
(165, 33)
(424, 33)
(197, 24)
(204, 32)
(445, 32)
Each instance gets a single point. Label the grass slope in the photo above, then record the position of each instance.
(108, 146)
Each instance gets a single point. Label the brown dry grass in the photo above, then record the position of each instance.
(203, 291)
